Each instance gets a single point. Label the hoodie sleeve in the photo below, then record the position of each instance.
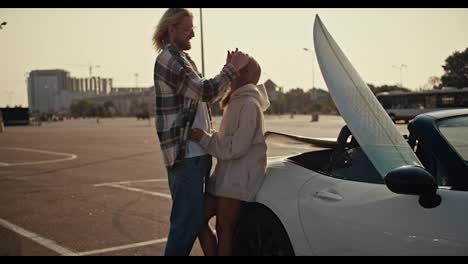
(236, 146)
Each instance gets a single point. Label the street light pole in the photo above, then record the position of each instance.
(401, 72)
(201, 36)
(313, 66)
(136, 80)
(48, 99)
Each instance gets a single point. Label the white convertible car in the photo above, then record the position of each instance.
(358, 197)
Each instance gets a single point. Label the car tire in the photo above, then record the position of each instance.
(259, 232)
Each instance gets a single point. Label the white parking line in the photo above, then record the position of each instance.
(276, 157)
(120, 184)
(138, 190)
(69, 157)
(128, 182)
(50, 244)
(106, 250)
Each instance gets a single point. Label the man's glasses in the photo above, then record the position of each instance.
(186, 29)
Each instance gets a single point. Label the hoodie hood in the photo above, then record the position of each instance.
(258, 92)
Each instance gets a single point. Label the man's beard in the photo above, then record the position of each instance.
(183, 45)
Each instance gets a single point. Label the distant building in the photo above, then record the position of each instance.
(272, 89)
(126, 100)
(127, 90)
(52, 91)
(317, 94)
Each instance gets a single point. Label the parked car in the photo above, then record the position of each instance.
(15, 116)
(2, 126)
(332, 201)
(142, 115)
(369, 193)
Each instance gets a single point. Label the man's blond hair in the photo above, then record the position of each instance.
(171, 17)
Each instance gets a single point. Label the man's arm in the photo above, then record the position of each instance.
(172, 69)
(189, 84)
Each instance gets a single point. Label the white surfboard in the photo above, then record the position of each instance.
(364, 115)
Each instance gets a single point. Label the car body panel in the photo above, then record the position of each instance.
(279, 192)
(424, 129)
(324, 215)
(368, 219)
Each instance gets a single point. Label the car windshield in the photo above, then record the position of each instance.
(455, 130)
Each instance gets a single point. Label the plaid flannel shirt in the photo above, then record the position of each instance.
(178, 89)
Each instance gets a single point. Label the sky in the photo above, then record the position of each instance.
(376, 41)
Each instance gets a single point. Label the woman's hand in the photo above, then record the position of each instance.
(196, 134)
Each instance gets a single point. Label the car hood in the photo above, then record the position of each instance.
(362, 112)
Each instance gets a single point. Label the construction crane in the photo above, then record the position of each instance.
(89, 66)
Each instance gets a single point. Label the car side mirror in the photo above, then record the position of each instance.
(414, 180)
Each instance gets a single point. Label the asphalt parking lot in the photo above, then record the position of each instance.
(80, 187)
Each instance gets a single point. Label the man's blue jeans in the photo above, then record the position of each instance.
(186, 182)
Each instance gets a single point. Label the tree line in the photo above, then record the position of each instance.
(298, 101)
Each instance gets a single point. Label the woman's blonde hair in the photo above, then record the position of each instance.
(171, 17)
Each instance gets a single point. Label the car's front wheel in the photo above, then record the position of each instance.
(260, 233)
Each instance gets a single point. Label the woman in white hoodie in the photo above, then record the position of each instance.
(240, 149)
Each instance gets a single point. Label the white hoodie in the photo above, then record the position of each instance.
(239, 145)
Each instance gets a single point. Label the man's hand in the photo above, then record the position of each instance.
(196, 134)
(229, 57)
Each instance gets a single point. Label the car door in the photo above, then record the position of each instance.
(341, 217)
